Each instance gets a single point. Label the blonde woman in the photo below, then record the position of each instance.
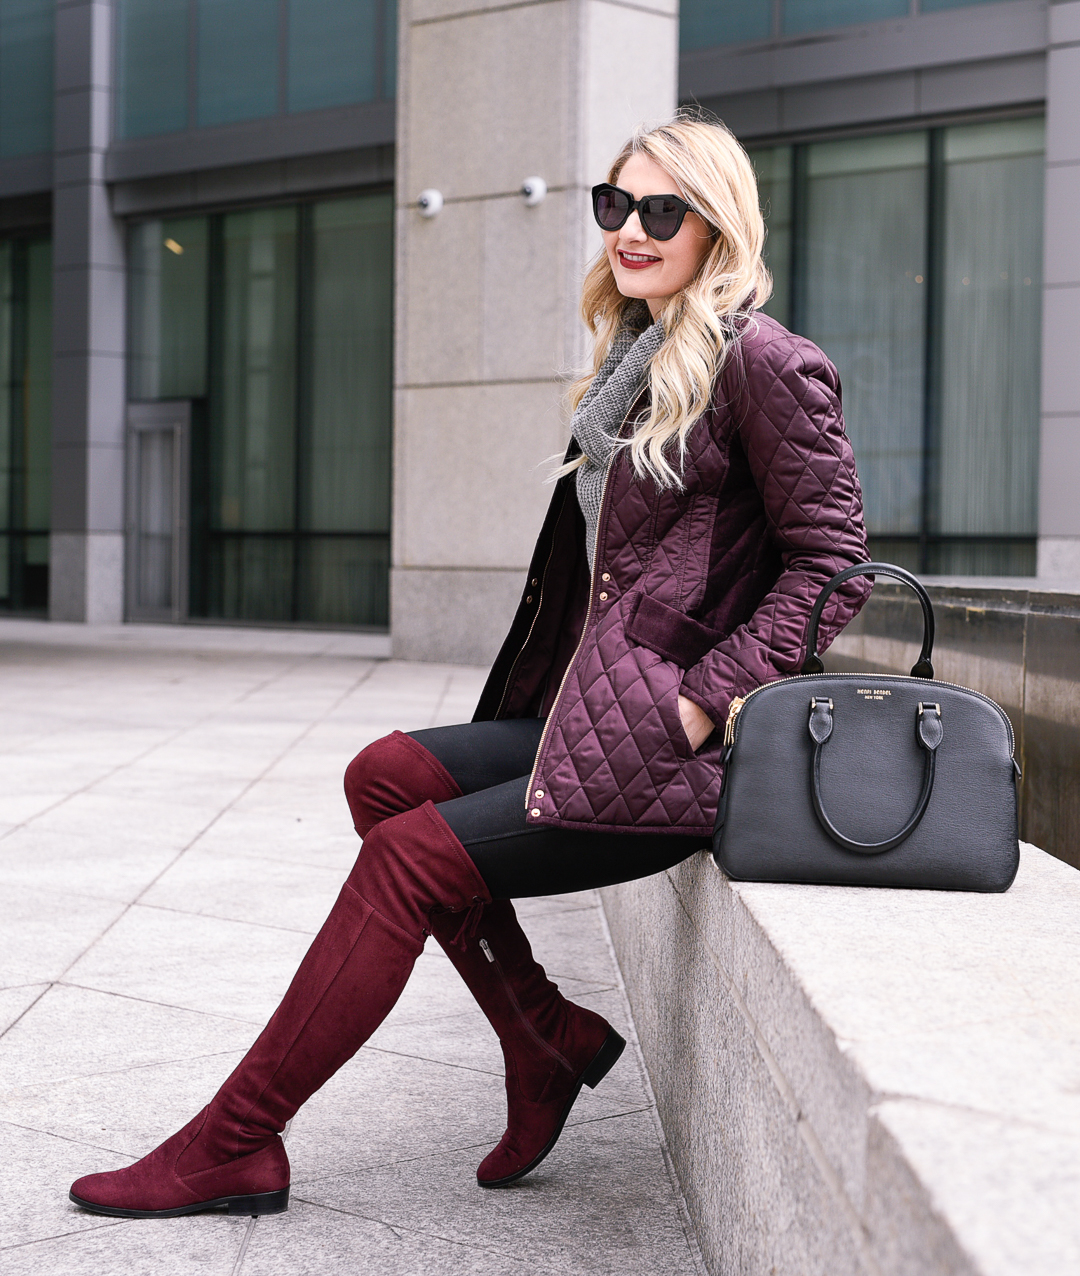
(708, 492)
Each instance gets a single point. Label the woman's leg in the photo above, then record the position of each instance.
(550, 1045)
(231, 1154)
(519, 860)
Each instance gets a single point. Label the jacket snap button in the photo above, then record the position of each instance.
(534, 581)
(528, 598)
(606, 576)
(539, 793)
(535, 812)
(603, 597)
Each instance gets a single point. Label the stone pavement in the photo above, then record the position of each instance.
(172, 832)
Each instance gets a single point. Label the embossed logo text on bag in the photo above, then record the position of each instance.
(872, 693)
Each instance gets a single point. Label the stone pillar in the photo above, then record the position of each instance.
(487, 290)
(1059, 480)
(86, 561)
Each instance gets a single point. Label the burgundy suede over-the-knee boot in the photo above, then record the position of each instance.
(551, 1046)
(231, 1154)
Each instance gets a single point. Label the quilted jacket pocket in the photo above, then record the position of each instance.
(670, 633)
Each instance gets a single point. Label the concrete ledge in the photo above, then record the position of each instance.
(864, 1081)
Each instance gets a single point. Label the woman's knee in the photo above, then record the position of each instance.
(370, 790)
(393, 775)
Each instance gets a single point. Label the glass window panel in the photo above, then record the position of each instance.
(167, 279)
(237, 60)
(390, 22)
(152, 57)
(291, 506)
(7, 395)
(333, 54)
(819, 15)
(933, 6)
(773, 167)
(251, 578)
(864, 302)
(26, 77)
(25, 421)
(37, 401)
(253, 455)
(155, 516)
(990, 334)
(703, 23)
(994, 141)
(348, 463)
(344, 580)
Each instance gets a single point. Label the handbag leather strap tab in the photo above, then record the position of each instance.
(929, 731)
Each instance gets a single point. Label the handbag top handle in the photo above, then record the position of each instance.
(922, 667)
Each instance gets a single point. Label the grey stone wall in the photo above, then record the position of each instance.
(859, 1082)
(1059, 509)
(86, 566)
(487, 291)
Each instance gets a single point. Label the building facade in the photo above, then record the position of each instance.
(245, 379)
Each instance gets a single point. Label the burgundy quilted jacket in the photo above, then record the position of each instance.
(705, 591)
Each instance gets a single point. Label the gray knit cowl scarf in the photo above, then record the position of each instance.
(600, 414)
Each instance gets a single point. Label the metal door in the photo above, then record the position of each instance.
(158, 450)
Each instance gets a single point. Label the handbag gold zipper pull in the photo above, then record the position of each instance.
(732, 714)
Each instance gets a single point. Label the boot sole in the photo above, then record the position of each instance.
(602, 1063)
(260, 1203)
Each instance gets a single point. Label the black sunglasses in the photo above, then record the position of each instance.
(660, 215)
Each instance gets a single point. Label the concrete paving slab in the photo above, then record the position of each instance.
(74, 1032)
(595, 1184)
(209, 1246)
(161, 820)
(127, 1112)
(99, 862)
(199, 963)
(307, 838)
(14, 1002)
(215, 883)
(381, 1109)
(32, 1209)
(311, 1239)
(45, 931)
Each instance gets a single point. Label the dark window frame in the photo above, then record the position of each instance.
(204, 409)
(926, 543)
(27, 591)
(384, 40)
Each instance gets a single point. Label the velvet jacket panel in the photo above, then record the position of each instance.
(704, 592)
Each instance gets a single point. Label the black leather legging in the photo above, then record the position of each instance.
(491, 763)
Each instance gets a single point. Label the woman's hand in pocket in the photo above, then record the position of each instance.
(696, 723)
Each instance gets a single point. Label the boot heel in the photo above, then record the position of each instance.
(261, 1203)
(604, 1060)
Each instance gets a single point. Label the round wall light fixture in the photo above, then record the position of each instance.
(534, 189)
(430, 203)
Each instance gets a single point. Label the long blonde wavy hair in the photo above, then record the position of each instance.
(716, 179)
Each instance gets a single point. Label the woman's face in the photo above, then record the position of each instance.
(650, 269)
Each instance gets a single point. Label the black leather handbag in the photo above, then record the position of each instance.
(857, 779)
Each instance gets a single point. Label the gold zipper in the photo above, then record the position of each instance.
(739, 701)
(732, 714)
(584, 631)
(525, 1021)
